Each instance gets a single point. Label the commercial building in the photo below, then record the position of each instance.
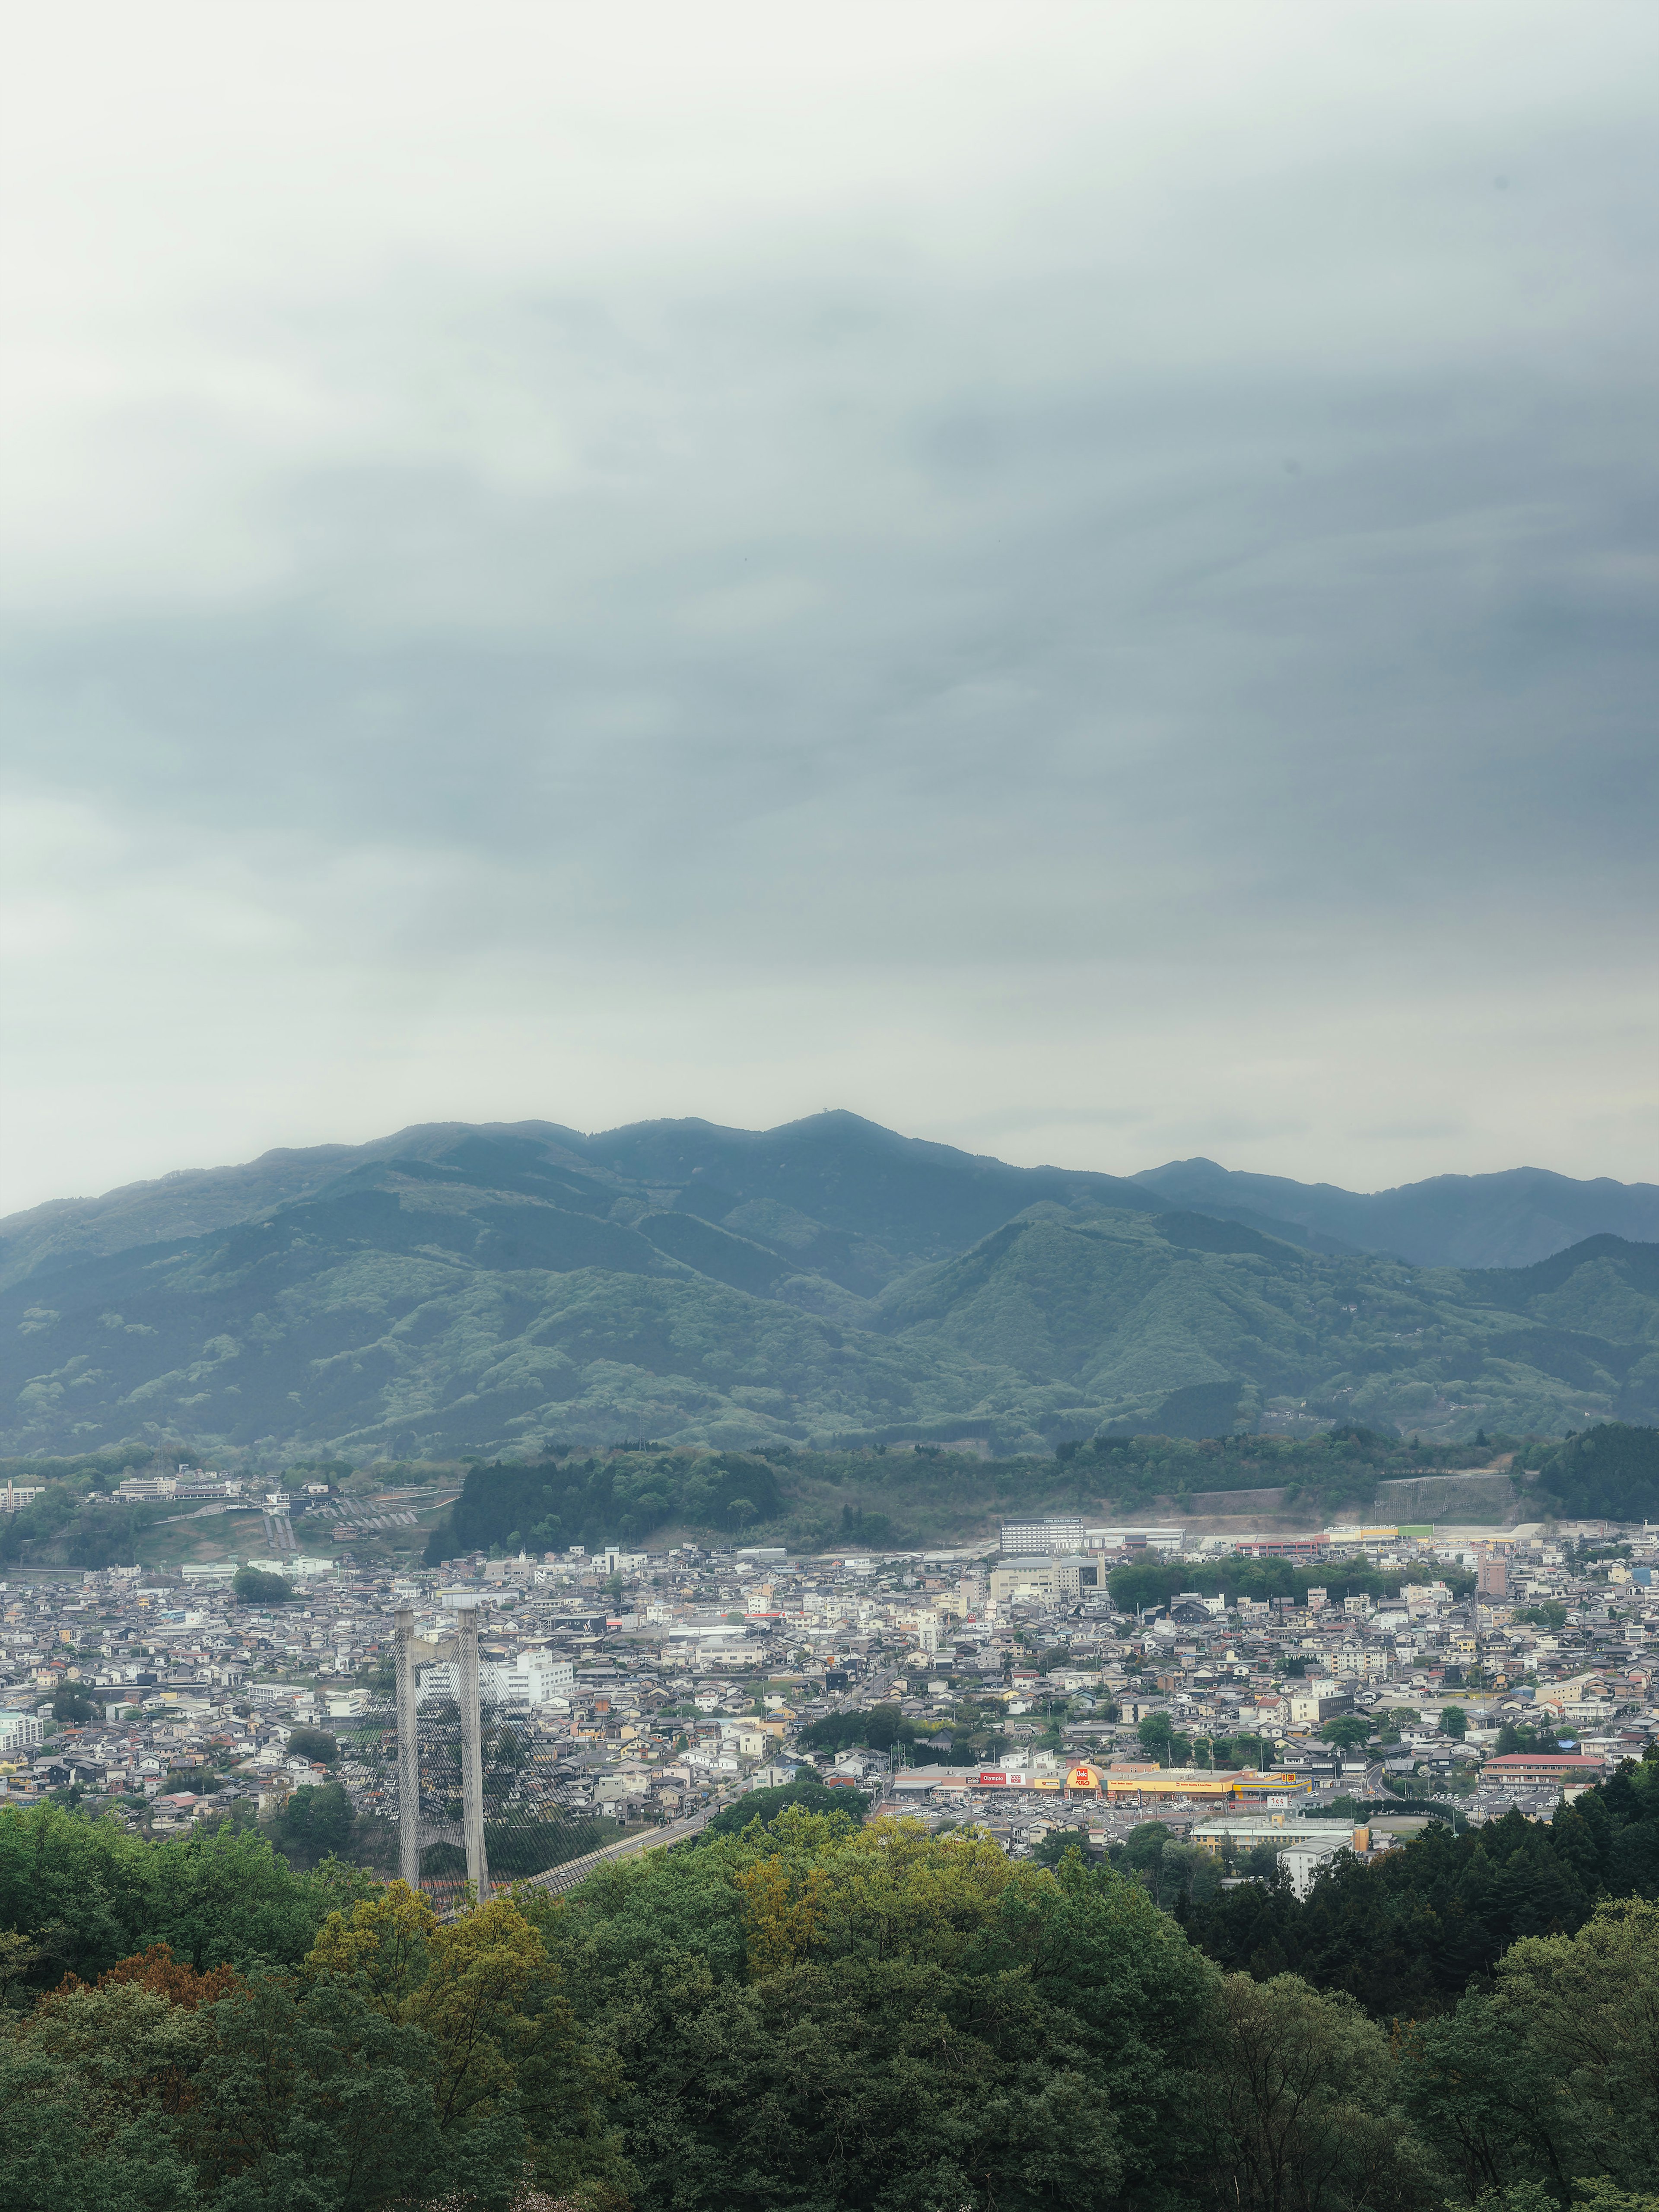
(1081, 1780)
(1235, 1786)
(1241, 1831)
(1042, 1536)
(1533, 1766)
(1039, 1575)
(1135, 1539)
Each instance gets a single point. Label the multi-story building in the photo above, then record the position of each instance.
(1042, 1536)
(1534, 1767)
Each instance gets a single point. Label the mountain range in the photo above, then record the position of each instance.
(1506, 1220)
(460, 1287)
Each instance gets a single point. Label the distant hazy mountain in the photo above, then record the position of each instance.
(833, 1175)
(1506, 1220)
(459, 1288)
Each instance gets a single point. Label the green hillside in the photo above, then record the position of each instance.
(489, 1292)
(908, 1495)
(1611, 1472)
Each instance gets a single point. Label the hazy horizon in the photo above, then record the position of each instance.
(1079, 584)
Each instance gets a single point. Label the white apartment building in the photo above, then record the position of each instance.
(1044, 1536)
(534, 1678)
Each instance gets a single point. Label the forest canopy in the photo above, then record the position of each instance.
(813, 2011)
(1610, 1472)
(556, 1502)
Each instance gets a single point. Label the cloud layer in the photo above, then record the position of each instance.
(1077, 581)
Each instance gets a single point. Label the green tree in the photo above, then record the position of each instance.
(1348, 1731)
(1454, 1721)
(313, 1743)
(314, 1825)
(1513, 1737)
(86, 1894)
(1051, 1848)
(84, 2090)
(406, 2060)
(255, 1586)
(896, 2019)
(765, 1806)
(1590, 2007)
(1143, 1845)
(1305, 2105)
(879, 1727)
(1481, 2095)
(509, 2085)
(1156, 1735)
(1185, 1871)
(69, 1706)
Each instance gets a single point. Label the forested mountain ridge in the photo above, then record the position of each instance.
(1505, 1220)
(916, 1199)
(495, 1289)
(832, 1177)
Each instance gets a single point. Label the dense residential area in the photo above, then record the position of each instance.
(1113, 1676)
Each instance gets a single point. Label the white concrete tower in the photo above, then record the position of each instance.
(472, 1827)
(409, 1752)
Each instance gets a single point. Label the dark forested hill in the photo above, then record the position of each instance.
(1610, 1472)
(479, 1289)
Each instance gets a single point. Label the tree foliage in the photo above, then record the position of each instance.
(765, 1806)
(878, 1727)
(1554, 2073)
(1155, 1583)
(804, 2012)
(1348, 1731)
(1609, 1472)
(86, 1892)
(404, 2060)
(314, 1744)
(562, 1501)
(258, 1586)
(823, 2016)
(1407, 1934)
(314, 1823)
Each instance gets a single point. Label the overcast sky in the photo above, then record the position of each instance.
(1080, 580)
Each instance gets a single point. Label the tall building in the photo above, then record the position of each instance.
(1042, 1536)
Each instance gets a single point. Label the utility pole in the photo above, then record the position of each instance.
(409, 1752)
(472, 1827)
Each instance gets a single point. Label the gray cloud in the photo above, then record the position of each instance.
(1158, 616)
